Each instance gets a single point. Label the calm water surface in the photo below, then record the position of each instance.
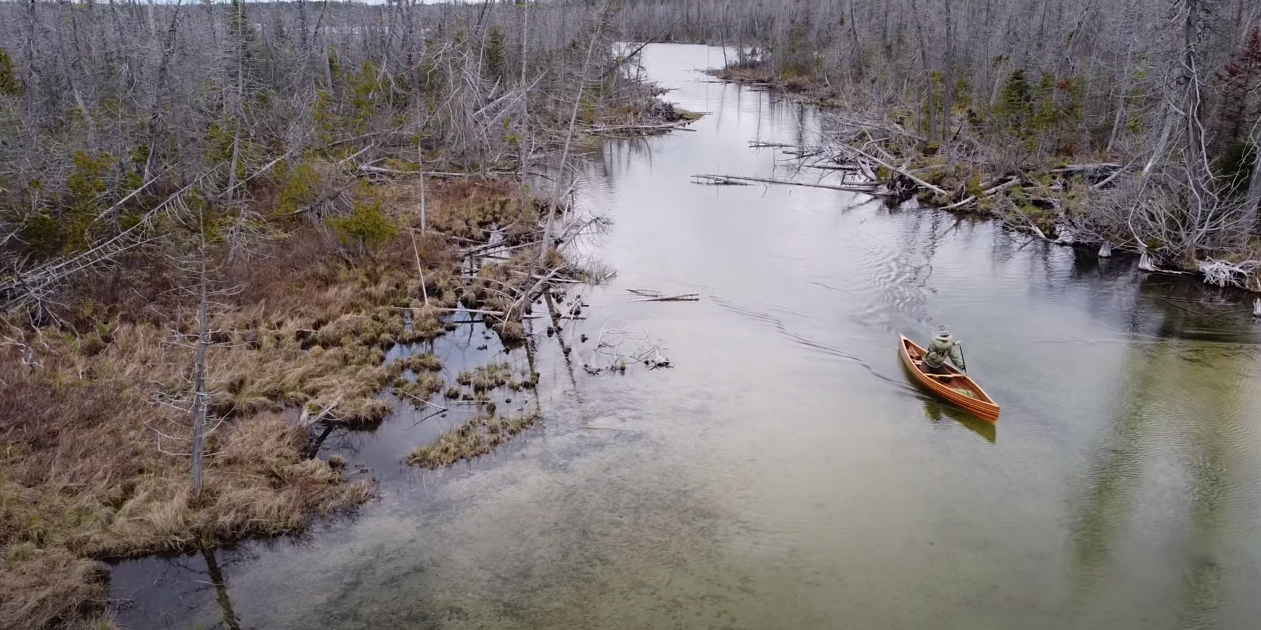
(784, 474)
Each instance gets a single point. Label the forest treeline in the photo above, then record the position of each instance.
(1165, 95)
(109, 110)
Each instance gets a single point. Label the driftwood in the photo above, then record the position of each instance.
(1222, 273)
(961, 204)
(754, 144)
(1085, 168)
(901, 171)
(528, 296)
(688, 297)
(869, 189)
(1037, 231)
(22, 287)
(678, 125)
(723, 181)
(1109, 179)
(307, 419)
(422, 400)
(990, 192)
(833, 167)
(1003, 187)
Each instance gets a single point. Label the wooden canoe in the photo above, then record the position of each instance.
(955, 387)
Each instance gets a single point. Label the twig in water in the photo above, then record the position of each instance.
(733, 180)
(424, 401)
(689, 297)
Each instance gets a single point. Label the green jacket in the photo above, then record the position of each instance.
(944, 346)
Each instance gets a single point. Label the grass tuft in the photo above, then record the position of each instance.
(472, 438)
(494, 376)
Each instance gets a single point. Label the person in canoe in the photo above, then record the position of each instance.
(943, 347)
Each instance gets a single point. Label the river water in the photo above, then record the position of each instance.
(784, 473)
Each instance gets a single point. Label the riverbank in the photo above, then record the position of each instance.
(98, 398)
(1052, 192)
(723, 490)
(98, 425)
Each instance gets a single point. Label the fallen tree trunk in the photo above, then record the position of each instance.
(986, 193)
(687, 297)
(901, 171)
(754, 144)
(725, 179)
(1083, 168)
(679, 126)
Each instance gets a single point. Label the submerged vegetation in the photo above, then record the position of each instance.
(487, 427)
(471, 438)
(495, 376)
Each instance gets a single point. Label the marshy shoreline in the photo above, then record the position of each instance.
(96, 466)
(1063, 198)
(311, 327)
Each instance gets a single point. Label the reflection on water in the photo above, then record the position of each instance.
(939, 412)
(786, 472)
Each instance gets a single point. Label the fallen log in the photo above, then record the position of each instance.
(961, 204)
(833, 167)
(1222, 273)
(901, 171)
(723, 181)
(986, 193)
(687, 297)
(679, 125)
(754, 144)
(1084, 168)
(866, 189)
(1101, 185)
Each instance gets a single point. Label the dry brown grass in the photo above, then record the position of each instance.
(42, 588)
(92, 467)
(82, 476)
(425, 380)
(477, 436)
(485, 431)
(469, 209)
(494, 376)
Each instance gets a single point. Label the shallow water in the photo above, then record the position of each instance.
(784, 473)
